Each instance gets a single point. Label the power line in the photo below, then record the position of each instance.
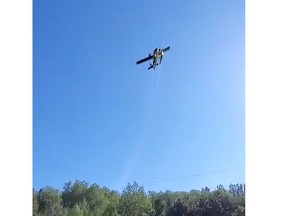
(194, 175)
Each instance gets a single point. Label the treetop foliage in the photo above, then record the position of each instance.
(81, 199)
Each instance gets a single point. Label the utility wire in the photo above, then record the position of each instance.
(194, 175)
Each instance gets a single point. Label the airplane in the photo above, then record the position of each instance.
(156, 55)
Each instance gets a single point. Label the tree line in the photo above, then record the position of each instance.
(81, 199)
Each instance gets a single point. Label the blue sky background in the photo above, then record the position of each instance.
(99, 117)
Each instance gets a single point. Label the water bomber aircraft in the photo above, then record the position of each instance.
(157, 56)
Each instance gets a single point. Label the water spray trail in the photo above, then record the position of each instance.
(149, 111)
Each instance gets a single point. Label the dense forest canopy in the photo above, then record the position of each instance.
(81, 199)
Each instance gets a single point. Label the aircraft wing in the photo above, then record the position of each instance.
(166, 49)
(145, 59)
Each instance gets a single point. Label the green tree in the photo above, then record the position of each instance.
(179, 208)
(74, 193)
(97, 200)
(113, 202)
(50, 202)
(238, 193)
(134, 201)
(80, 199)
(221, 202)
(158, 203)
(35, 203)
(76, 211)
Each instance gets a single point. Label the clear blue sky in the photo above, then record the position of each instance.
(99, 117)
